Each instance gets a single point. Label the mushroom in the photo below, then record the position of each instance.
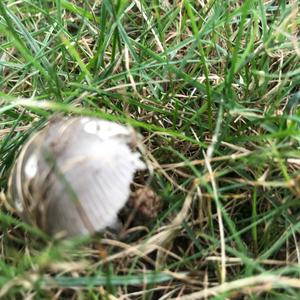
(74, 175)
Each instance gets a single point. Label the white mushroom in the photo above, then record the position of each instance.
(74, 175)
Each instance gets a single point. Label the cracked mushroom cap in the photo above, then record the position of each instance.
(74, 175)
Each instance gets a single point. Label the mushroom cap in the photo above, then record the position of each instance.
(74, 175)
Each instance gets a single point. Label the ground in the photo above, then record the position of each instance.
(213, 87)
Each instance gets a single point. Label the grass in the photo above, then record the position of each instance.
(213, 86)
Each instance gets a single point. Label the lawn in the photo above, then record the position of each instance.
(213, 87)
